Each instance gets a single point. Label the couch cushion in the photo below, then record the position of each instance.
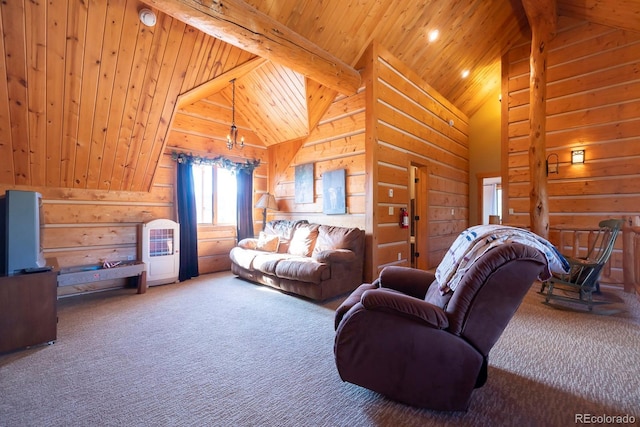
(303, 269)
(330, 237)
(243, 257)
(267, 242)
(266, 262)
(303, 240)
(283, 228)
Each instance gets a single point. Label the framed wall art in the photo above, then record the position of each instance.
(304, 183)
(334, 192)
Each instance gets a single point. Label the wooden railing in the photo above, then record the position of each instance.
(573, 241)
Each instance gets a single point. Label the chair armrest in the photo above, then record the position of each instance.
(351, 300)
(335, 255)
(248, 243)
(390, 301)
(407, 280)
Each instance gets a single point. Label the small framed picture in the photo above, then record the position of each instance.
(304, 183)
(334, 192)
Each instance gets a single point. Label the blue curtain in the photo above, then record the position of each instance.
(188, 223)
(244, 205)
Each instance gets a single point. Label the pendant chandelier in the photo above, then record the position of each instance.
(232, 138)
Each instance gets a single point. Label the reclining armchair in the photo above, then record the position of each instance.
(402, 338)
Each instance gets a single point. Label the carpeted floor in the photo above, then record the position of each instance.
(218, 351)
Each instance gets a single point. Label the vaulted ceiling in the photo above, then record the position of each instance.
(91, 92)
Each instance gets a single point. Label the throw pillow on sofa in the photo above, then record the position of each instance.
(267, 242)
(303, 240)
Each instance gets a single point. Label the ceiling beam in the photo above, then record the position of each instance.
(239, 24)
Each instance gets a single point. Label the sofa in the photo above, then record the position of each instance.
(311, 260)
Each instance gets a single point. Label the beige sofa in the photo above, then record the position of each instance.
(312, 260)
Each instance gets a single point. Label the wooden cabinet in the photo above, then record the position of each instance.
(28, 310)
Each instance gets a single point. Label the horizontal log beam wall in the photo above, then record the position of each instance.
(593, 103)
(417, 126)
(83, 227)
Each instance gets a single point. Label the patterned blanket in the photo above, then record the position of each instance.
(475, 241)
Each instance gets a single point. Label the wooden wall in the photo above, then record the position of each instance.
(412, 125)
(205, 124)
(83, 227)
(337, 142)
(593, 103)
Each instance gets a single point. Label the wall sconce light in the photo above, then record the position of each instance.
(552, 167)
(577, 156)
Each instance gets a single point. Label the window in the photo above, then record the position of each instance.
(215, 191)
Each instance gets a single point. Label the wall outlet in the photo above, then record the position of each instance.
(129, 257)
(390, 210)
(510, 211)
(399, 256)
(391, 192)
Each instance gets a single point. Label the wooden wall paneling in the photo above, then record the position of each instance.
(6, 152)
(118, 102)
(413, 125)
(107, 63)
(161, 107)
(135, 92)
(92, 60)
(75, 49)
(15, 58)
(35, 34)
(592, 101)
(139, 145)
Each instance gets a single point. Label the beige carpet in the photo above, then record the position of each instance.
(218, 351)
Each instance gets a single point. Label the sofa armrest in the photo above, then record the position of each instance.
(390, 301)
(248, 243)
(407, 280)
(335, 255)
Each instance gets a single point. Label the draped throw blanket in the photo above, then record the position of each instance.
(475, 241)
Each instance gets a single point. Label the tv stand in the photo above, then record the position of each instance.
(28, 310)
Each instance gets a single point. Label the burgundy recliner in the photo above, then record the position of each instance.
(400, 337)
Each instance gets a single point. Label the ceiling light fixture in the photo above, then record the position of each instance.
(465, 74)
(232, 138)
(433, 35)
(147, 17)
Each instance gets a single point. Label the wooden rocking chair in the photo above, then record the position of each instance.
(579, 284)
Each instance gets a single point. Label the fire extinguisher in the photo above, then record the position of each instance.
(404, 218)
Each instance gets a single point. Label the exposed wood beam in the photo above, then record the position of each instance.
(543, 19)
(217, 84)
(237, 23)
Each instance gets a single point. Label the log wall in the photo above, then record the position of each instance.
(83, 227)
(593, 103)
(337, 142)
(413, 125)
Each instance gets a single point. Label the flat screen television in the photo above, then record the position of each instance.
(21, 224)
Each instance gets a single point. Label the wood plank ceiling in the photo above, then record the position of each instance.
(87, 93)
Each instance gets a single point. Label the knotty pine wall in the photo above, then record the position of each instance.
(201, 129)
(593, 103)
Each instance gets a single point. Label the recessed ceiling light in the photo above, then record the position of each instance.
(465, 74)
(433, 35)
